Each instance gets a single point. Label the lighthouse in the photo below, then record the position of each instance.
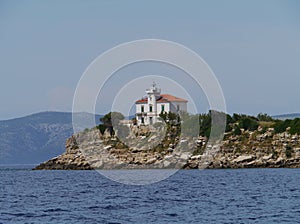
(153, 94)
(149, 107)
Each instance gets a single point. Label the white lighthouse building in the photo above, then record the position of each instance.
(149, 107)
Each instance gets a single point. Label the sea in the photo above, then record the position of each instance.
(187, 196)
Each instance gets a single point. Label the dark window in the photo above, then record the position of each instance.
(162, 108)
(143, 120)
(178, 107)
(142, 108)
(150, 108)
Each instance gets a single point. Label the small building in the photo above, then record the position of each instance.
(149, 107)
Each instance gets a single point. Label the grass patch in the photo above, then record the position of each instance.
(266, 124)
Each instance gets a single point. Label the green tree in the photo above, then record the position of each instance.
(169, 118)
(229, 122)
(288, 151)
(172, 117)
(281, 126)
(205, 124)
(264, 117)
(236, 117)
(101, 128)
(237, 130)
(248, 123)
(163, 115)
(295, 126)
(110, 119)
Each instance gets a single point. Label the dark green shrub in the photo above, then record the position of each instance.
(281, 126)
(236, 117)
(205, 124)
(237, 131)
(288, 151)
(101, 128)
(248, 123)
(295, 126)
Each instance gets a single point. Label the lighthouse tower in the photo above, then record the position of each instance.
(153, 94)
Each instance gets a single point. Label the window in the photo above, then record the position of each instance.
(162, 108)
(142, 109)
(178, 107)
(150, 120)
(150, 108)
(143, 121)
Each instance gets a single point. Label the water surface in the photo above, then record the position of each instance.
(189, 196)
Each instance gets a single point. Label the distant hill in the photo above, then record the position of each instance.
(35, 138)
(287, 116)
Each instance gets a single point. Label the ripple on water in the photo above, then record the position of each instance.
(209, 196)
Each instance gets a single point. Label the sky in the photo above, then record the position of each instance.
(253, 48)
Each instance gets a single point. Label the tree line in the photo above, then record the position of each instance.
(201, 123)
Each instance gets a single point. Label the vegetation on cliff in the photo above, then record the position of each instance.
(249, 141)
(239, 125)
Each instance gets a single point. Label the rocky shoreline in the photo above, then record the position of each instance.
(92, 150)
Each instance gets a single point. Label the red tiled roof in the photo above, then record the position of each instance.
(163, 98)
(143, 100)
(169, 97)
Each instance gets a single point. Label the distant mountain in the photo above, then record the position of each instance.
(37, 137)
(287, 116)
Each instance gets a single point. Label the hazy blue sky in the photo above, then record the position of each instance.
(253, 47)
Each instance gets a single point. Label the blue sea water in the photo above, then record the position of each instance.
(189, 196)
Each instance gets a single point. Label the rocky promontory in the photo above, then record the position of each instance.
(249, 149)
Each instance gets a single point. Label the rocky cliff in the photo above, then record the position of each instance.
(257, 149)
